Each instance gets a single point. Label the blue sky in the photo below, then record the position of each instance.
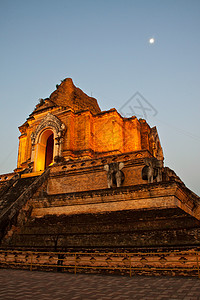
(103, 46)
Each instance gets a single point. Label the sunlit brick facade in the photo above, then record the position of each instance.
(80, 132)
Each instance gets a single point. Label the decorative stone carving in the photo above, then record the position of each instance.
(50, 121)
(152, 170)
(32, 139)
(115, 176)
(58, 128)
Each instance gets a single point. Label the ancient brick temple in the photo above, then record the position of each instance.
(91, 179)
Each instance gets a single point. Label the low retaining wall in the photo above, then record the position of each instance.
(181, 263)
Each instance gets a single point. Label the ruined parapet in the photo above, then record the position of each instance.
(68, 96)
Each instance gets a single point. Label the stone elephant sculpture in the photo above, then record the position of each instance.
(152, 170)
(115, 176)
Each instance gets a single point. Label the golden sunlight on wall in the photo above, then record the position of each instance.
(22, 151)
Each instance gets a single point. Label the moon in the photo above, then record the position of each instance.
(151, 41)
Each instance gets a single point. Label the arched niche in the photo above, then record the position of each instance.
(47, 142)
(44, 150)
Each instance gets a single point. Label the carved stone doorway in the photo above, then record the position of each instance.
(44, 150)
(47, 142)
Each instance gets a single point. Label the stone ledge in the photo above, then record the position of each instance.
(142, 204)
(149, 196)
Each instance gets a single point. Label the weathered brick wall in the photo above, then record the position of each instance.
(111, 230)
(145, 130)
(90, 174)
(81, 131)
(132, 135)
(68, 95)
(156, 197)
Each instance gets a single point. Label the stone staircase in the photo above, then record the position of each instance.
(14, 196)
(4, 186)
(13, 192)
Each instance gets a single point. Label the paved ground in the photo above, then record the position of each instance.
(19, 284)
